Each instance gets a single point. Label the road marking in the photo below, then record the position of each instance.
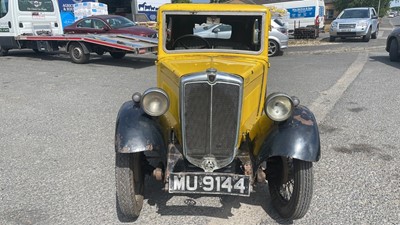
(327, 99)
(380, 34)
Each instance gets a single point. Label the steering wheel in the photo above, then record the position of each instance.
(191, 41)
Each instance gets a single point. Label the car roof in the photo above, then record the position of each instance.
(102, 16)
(366, 8)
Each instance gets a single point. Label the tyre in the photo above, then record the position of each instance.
(3, 51)
(290, 183)
(332, 39)
(129, 181)
(367, 36)
(37, 51)
(77, 54)
(375, 34)
(273, 48)
(118, 55)
(394, 50)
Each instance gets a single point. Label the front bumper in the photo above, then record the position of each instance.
(284, 44)
(349, 32)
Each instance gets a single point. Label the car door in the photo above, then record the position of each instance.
(99, 27)
(374, 18)
(222, 31)
(84, 27)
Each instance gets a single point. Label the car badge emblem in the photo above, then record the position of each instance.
(211, 74)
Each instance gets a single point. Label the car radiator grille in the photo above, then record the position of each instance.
(347, 26)
(210, 114)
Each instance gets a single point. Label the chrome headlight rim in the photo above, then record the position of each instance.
(271, 99)
(146, 94)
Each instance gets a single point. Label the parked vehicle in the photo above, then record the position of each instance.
(302, 13)
(221, 31)
(393, 45)
(355, 22)
(278, 36)
(392, 15)
(36, 25)
(210, 126)
(108, 24)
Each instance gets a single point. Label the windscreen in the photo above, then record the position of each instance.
(211, 31)
(36, 5)
(355, 13)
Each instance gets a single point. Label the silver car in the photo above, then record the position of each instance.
(278, 36)
(355, 22)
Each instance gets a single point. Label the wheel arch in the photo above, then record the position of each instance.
(136, 131)
(85, 46)
(297, 137)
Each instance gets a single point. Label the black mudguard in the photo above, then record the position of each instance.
(297, 137)
(136, 131)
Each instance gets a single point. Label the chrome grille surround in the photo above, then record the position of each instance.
(210, 111)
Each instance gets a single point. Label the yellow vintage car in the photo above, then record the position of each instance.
(210, 126)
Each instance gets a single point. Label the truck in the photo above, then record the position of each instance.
(36, 25)
(302, 13)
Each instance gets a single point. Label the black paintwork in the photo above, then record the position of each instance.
(137, 132)
(395, 34)
(297, 137)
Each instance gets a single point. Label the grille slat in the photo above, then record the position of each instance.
(210, 114)
(347, 26)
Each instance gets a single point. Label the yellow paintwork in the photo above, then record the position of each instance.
(253, 68)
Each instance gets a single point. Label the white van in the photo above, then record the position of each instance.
(302, 13)
(28, 17)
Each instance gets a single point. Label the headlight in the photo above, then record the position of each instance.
(155, 102)
(334, 24)
(279, 107)
(362, 23)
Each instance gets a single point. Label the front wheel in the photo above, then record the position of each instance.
(290, 183)
(3, 51)
(273, 48)
(129, 181)
(394, 50)
(367, 36)
(77, 54)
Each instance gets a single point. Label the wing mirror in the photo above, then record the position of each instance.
(105, 28)
(216, 30)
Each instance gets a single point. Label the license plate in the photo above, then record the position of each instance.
(209, 183)
(345, 30)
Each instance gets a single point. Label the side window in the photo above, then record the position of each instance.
(85, 24)
(3, 8)
(98, 24)
(36, 6)
(225, 28)
(373, 13)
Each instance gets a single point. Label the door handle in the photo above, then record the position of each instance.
(9, 24)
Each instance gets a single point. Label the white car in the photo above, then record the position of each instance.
(278, 36)
(355, 22)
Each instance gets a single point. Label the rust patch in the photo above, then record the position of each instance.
(304, 121)
(248, 170)
(149, 147)
(125, 149)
